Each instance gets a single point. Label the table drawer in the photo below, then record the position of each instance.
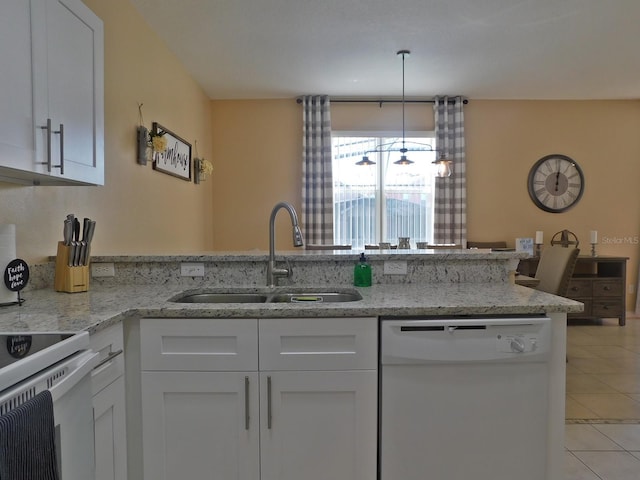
(579, 288)
(588, 308)
(607, 308)
(607, 288)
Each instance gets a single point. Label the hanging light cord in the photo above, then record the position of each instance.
(403, 53)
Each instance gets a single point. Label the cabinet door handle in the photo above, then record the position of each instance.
(108, 358)
(246, 403)
(61, 164)
(269, 402)
(60, 132)
(47, 127)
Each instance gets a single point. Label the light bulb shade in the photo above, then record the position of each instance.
(443, 167)
(403, 161)
(365, 161)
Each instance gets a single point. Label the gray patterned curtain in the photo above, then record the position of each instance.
(317, 177)
(450, 207)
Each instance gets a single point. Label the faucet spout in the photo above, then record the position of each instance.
(272, 272)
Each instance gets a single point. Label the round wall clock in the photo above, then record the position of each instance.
(556, 183)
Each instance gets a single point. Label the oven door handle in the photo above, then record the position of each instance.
(82, 367)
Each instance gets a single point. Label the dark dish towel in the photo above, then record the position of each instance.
(27, 441)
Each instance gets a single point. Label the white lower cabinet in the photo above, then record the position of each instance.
(110, 432)
(109, 413)
(304, 408)
(200, 425)
(318, 425)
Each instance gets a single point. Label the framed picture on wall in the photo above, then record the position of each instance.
(176, 158)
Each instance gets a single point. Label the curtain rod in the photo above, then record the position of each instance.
(380, 101)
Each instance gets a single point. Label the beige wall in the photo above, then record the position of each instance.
(257, 150)
(138, 210)
(504, 139)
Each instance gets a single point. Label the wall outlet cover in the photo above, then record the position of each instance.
(189, 269)
(103, 270)
(395, 267)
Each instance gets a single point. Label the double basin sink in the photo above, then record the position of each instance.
(268, 296)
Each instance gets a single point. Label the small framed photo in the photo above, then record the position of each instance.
(176, 158)
(524, 245)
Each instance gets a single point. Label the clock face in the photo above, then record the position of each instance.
(556, 183)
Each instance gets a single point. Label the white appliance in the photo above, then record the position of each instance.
(464, 398)
(62, 364)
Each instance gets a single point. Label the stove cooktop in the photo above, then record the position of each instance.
(15, 347)
(23, 354)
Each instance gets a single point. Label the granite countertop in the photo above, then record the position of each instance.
(46, 310)
(313, 255)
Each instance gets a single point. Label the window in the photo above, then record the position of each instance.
(381, 202)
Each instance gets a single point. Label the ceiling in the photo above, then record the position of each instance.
(482, 49)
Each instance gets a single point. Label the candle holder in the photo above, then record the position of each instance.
(593, 250)
(538, 250)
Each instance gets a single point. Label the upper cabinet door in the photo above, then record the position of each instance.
(17, 140)
(75, 86)
(53, 74)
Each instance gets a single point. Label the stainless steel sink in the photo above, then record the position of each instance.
(326, 297)
(222, 298)
(282, 296)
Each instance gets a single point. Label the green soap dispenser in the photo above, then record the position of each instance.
(362, 273)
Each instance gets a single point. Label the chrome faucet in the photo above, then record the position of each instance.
(272, 272)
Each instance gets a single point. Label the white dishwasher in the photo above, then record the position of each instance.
(464, 398)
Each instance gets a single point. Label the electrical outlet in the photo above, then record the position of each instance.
(192, 269)
(103, 270)
(395, 267)
(631, 288)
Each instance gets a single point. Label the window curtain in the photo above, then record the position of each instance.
(450, 202)
(317, 177)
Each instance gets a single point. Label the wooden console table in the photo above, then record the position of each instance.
(598, 282)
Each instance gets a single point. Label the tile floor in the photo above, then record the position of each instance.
(602, 436)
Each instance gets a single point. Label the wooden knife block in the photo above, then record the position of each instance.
(69, 279)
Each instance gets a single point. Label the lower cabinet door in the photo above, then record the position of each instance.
(200, 425)
(110, 432)
(318, 425)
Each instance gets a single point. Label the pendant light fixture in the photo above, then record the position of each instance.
(444, 165)
(403, 151)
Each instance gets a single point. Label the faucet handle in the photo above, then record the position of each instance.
(289, 268)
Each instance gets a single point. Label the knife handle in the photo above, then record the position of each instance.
(72, 253)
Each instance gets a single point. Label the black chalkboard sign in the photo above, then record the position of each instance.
(16, 275)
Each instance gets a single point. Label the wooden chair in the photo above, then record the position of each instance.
(327, 247)
(556, 268)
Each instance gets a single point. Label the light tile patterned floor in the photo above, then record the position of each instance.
(603, 401)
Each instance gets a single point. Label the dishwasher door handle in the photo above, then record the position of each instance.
(440, 328)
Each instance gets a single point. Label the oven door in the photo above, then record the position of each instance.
(69, 382)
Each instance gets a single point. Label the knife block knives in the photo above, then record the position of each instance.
(69, 279)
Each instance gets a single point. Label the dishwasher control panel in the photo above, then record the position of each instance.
(516, 343)
(456, 340)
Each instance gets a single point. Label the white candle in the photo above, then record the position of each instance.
(539, 236)
(594, 236)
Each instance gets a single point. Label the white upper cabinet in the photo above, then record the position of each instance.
(17, 139)
(52, 129)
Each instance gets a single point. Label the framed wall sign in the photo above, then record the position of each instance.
(176, 158)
